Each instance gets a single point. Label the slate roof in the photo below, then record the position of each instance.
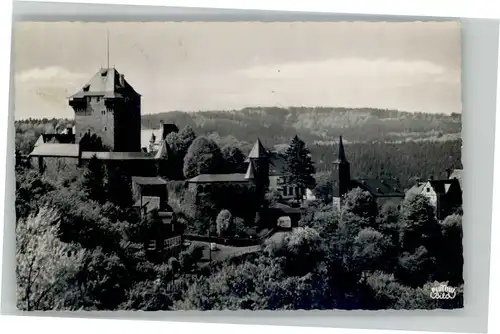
(148, 180)
(379, 187)
(258, 151)
(218, 178)
(415, 190)
(443, 186)
(250, 174)
(163, 151)
(55, 150)
(341, 155)
(61, 138)
(117, 155)
(106, 83)
(457, 174)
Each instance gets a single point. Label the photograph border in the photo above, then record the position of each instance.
(479, 58)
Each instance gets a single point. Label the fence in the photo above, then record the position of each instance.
(229, 241)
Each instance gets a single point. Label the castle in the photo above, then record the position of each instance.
(108, 126)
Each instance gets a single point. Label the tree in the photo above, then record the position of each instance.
(416, 268)
(362, 204)
(32, 189)
(93, 180)
(370, 250)
(451, 255)
(299, 168)
(46, 267)
(119, 187)
(179, 143)
(202, 157)
(419, 226)
(223, 221)
(303, 249)
(234, 159)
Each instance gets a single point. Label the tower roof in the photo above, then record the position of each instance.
(163, 151)
(250, 174)
(341, 156)
(258, 151)
(107, 82)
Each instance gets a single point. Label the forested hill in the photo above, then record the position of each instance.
(315, 125)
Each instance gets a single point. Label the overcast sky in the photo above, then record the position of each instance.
(201, 66)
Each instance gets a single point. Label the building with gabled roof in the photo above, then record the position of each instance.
(383, 190)
(109, 107)
(444, 195)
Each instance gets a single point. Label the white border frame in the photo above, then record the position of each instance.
(480, 59)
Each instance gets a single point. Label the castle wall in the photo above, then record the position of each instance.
(96, 118)
(127, 132)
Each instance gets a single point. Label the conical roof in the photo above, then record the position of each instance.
(163, 151)
(250, 174)
(258, 151)
(341, 155)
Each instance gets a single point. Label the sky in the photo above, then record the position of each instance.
(193, 66)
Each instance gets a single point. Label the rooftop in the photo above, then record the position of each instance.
(107, 82)
(443, 186)
(258, 151)
(55, 150)
(148, 180)
(380, 187)
(214, 178)
(117, 155)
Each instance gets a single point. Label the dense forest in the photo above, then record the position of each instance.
(78, 248)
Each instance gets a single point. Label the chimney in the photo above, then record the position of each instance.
(431, 178)
(418, 181)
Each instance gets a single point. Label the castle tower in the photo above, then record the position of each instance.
(258, 161)
(110, 108)
(341, 176)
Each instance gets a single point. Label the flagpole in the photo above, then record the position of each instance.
(107, 47)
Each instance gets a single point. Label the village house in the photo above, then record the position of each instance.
(150, 194)
(444, 195)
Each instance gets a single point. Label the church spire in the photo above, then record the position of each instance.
(341, 157)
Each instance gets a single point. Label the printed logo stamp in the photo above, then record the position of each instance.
(443, 291)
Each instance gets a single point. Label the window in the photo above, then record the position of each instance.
(428, 189)
(172, 242)
(152, 245)
(285, 190)
(98, 98)
(105, 128)
(103, 112)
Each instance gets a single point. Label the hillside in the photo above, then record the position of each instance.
(315, 125)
